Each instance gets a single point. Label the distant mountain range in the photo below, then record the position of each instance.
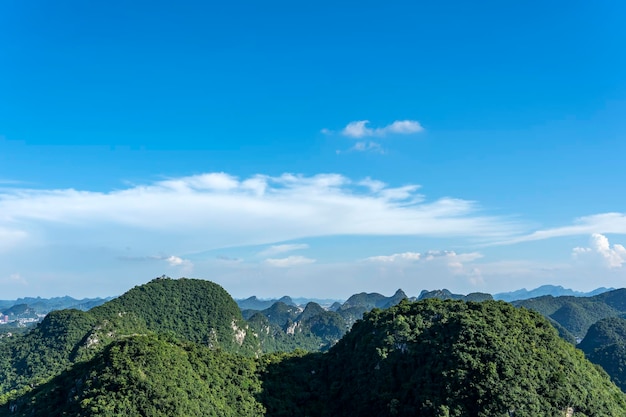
(38, 305)
(254, 303)
(553, 290)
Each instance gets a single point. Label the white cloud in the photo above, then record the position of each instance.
(403, 127)
(359, 129)
(406, 256)
(373, 185)
(597, 223)
(450, 256)
(217, 181)
(175, 260)
(437, 263)
(172, 260)
(276, 249)
(213, 211)
(368, 146)
(289, 261)
(611, 256)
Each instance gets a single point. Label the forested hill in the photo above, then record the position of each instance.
(191, 309)
(444, 358)
(430, 358)
(181, 348)
(577, 314)
(605, 345)
(150, 376)
(187, 309)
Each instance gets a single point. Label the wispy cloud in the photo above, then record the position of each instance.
(364, 146)
(360, 129)
(450, 256)
(406, 256)
(177, 261)
(289, 261)
(611, 256)
(277, 249)
(172, 260)
(217, 210)
(228, 259)
(456, 264)
(587, 225)
(368, 146)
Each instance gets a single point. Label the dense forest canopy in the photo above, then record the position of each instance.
(182, 348)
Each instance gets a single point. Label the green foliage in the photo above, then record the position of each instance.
(192, 310)
(280, 313)
(150, 376)
(436, 358)
(170, 348)
(292, 385)
(577, 314)
(447, 295)
(605, 345)
(284, 328)
(196, 310)
(45, 351)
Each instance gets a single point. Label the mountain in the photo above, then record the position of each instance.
(316, 328)
(605, 345)
(283, 328)
(281, 314)
(447, 295)
(358, 304)
(324, 302)
(181, 348)
(335, 306)
(553, 290)
(253, 303)
(190, 310)
(577, 314)
(195, 310)
(443, 358)
(45, 305)
(20, 311)
(148, 376)
(286, 327)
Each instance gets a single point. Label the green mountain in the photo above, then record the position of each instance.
(577, 314)
(447, 295)
(181, 348)
(284, 328)
(191, 310)
(444, 358)
(253, 303)
(148, 376)
(195, 310)
(605, 345)
(358, 304)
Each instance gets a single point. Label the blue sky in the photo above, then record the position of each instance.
(311, 149)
